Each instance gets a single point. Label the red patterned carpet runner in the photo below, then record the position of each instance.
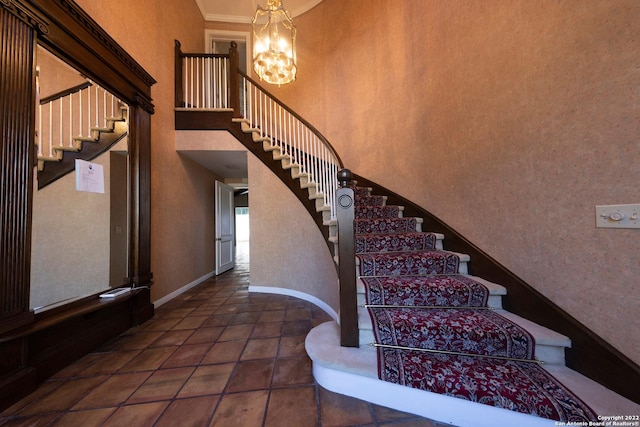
(437, 290)
(433, 329)
(464, 331)
(363, 212)
(385, 225)
(401, 242)
(408, 263)
(517, 386)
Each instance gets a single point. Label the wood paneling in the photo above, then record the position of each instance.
(17, 100)
(33, 347)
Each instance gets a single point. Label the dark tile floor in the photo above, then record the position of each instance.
(214, 356)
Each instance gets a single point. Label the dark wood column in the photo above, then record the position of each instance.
(140, 201)
(17, 115)
(17, 100)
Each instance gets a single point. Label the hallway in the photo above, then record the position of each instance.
(215, 355)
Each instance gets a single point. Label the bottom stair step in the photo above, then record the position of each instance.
(470, 290)
(549, 345)
(354, 372)
(411, 263)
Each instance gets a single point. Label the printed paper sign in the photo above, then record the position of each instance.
(89, 177)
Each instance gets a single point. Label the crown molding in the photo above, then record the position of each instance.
(242, 19)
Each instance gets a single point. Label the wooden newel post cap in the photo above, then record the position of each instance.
(345, 177)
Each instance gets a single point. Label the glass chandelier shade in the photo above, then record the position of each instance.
(274, 44)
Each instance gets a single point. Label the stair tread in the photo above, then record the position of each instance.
(494, 289)
(542, 335)
(335, 367)
(549, 345)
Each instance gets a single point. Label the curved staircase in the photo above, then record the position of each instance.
(436, 341)
(502, 360)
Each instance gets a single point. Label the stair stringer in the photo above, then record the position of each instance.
(272, 158)
(589, 354)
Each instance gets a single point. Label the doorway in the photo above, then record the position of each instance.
(242, 232)
(225, 227)
(219, 41)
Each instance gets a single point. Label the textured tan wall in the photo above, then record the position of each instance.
(510, 120)
(182, 229)
(287, 248)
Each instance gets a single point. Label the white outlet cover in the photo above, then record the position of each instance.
(618, 216)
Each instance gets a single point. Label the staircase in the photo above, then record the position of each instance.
(392, 252)
(81, 122)
(422, 329)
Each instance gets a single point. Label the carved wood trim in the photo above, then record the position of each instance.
(17, 104)
(68, 32)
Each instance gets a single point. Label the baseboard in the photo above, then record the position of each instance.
(292, 293)
(165, 299)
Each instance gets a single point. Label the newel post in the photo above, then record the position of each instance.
(179, 93)
(345, 213)
(234, 82)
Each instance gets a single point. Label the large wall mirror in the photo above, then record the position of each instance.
(79, 237)
(61, 247)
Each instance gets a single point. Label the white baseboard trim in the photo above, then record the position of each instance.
(185, 288)
(292, 293)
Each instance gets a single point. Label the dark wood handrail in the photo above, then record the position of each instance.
(234, 72)
(205, 55)
(296, 115)
(65, 92)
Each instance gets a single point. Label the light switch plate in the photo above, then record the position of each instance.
(618, 216)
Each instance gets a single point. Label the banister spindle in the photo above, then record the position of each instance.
(60, 124)
(70, 131)
(97, 102)
(50, 151)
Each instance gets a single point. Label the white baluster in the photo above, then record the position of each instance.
(96, 110)
(70, 131)
(39, 130)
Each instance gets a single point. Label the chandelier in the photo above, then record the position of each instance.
(274, 44)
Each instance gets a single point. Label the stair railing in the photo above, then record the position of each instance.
(213, 81)
(67, 118)
(294, 136)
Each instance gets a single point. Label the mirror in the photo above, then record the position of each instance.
(79, 238)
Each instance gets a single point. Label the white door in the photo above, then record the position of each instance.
(225, 228)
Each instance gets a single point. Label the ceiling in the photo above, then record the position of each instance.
(243, 10)
(230, 165)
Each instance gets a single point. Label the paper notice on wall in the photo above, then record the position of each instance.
(89, 177)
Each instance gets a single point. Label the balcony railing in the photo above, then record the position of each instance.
(213, 82)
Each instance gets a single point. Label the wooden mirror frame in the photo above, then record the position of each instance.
(34, 346)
